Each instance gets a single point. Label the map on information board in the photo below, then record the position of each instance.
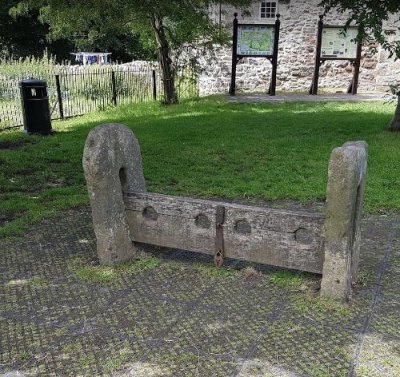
(338, 43)
(255, 40)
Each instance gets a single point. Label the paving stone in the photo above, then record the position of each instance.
(182, 317)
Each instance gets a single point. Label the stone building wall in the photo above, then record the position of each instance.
(297, 47)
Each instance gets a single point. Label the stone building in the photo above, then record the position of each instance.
(297, 46)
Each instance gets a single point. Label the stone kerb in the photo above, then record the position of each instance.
(112, 164)
(342, 233)
(120, 208)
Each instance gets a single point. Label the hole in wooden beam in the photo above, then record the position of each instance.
(150, 213)
(242, 227)
(202, 221)
(304, 236)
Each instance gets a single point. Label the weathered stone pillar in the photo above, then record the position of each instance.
(112, 164)
(345, 192)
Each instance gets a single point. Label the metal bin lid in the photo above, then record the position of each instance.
(32, 83)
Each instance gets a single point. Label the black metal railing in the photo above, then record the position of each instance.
(80, 90)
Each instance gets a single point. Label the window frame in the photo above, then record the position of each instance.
(264, 10)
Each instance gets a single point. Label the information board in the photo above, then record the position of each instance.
(255, 40)
(338, 43)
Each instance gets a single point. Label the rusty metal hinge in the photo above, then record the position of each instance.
(219, 236)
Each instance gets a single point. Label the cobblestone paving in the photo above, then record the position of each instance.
(176, 315)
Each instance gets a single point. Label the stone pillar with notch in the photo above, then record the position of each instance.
(112, 164)
(342, 230)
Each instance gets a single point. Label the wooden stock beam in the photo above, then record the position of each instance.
(262, 235)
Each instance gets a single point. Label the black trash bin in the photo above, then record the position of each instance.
(35, 106)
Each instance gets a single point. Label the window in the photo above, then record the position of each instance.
(268, 9)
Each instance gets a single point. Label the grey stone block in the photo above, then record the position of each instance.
(345, 193)
(112, 164)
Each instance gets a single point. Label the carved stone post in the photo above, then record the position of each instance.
(112, 164)
(345, 192)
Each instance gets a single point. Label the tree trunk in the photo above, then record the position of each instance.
(165, 61)
(395, 123)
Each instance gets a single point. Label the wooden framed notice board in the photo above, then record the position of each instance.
(256, 41)
(337, 43)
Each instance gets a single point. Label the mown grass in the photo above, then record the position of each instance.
(106, 274)
(205, 148)
(287, 279)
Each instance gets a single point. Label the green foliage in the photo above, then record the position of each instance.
(86, 88)
(321, 307)
(23, 35)
(286, 279)
(364, 278)
(12, 71)
(168, 26)
(210, 271)
(371, 16)
(104, 274)
(185, 21)
(13, 68)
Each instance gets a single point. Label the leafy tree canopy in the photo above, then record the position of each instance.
(371, 15)
(165, 25)
(24, 36)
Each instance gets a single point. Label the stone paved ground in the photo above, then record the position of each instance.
(175, 315)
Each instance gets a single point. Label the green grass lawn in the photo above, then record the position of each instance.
(204, 148)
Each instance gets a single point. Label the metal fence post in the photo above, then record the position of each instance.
(114, 88)
(82, 91)
(59, 97)
(154, 85)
